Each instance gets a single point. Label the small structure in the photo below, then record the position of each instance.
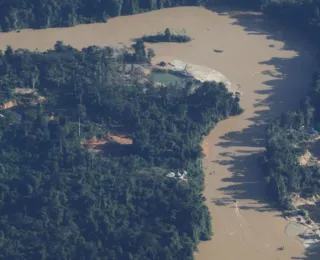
(182, 176)
(313, 132)
(171, 175)
(179, 176)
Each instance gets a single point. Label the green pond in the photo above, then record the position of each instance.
(164, 78)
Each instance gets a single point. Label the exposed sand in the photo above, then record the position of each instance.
(197, 72)
(35, 99)
(273, 68)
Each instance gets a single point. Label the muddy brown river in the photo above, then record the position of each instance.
(273, 67)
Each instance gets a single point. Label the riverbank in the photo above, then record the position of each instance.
(270, 63)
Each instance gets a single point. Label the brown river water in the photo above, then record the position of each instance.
(273, 67)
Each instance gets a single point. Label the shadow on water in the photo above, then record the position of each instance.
(284, 91)
(311, 254)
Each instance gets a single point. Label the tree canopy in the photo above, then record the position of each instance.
(292, 135)
(59, 200)
(58, 13)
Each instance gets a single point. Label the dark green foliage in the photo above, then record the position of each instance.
(285, 138)
(300, 14)
(167, 36)
(60, 201)
(37, 14)
(286, 141)
(252, 4)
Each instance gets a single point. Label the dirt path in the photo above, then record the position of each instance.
(273, 68)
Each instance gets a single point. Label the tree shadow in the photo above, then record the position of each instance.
(284, 91)
(312, 253)
(250, 137)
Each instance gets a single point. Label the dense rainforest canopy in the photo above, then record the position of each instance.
(288, 140)
(292, 135)
(59, 200)
(57, 13)
(19, 14)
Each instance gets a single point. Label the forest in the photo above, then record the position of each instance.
(292, 135)
(287, 141)
(167, 36)
(38, 14)
(59, 200)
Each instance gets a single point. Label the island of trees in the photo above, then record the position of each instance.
(167, 36)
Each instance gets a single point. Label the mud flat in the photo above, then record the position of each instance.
(272, 66)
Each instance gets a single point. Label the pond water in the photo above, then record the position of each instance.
(165, 78)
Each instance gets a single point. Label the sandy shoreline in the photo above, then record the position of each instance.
(272, 65)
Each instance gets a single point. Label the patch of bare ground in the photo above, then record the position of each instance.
(52, 117)
(133, 73)
(8, 104)
(197, 72)
(96, 145)
(24, 91)
(27, 96)
(121, 139)
(305, 216)
(304, 220)
(312, 153)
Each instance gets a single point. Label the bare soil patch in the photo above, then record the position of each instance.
(27, 96)
(97, 145)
